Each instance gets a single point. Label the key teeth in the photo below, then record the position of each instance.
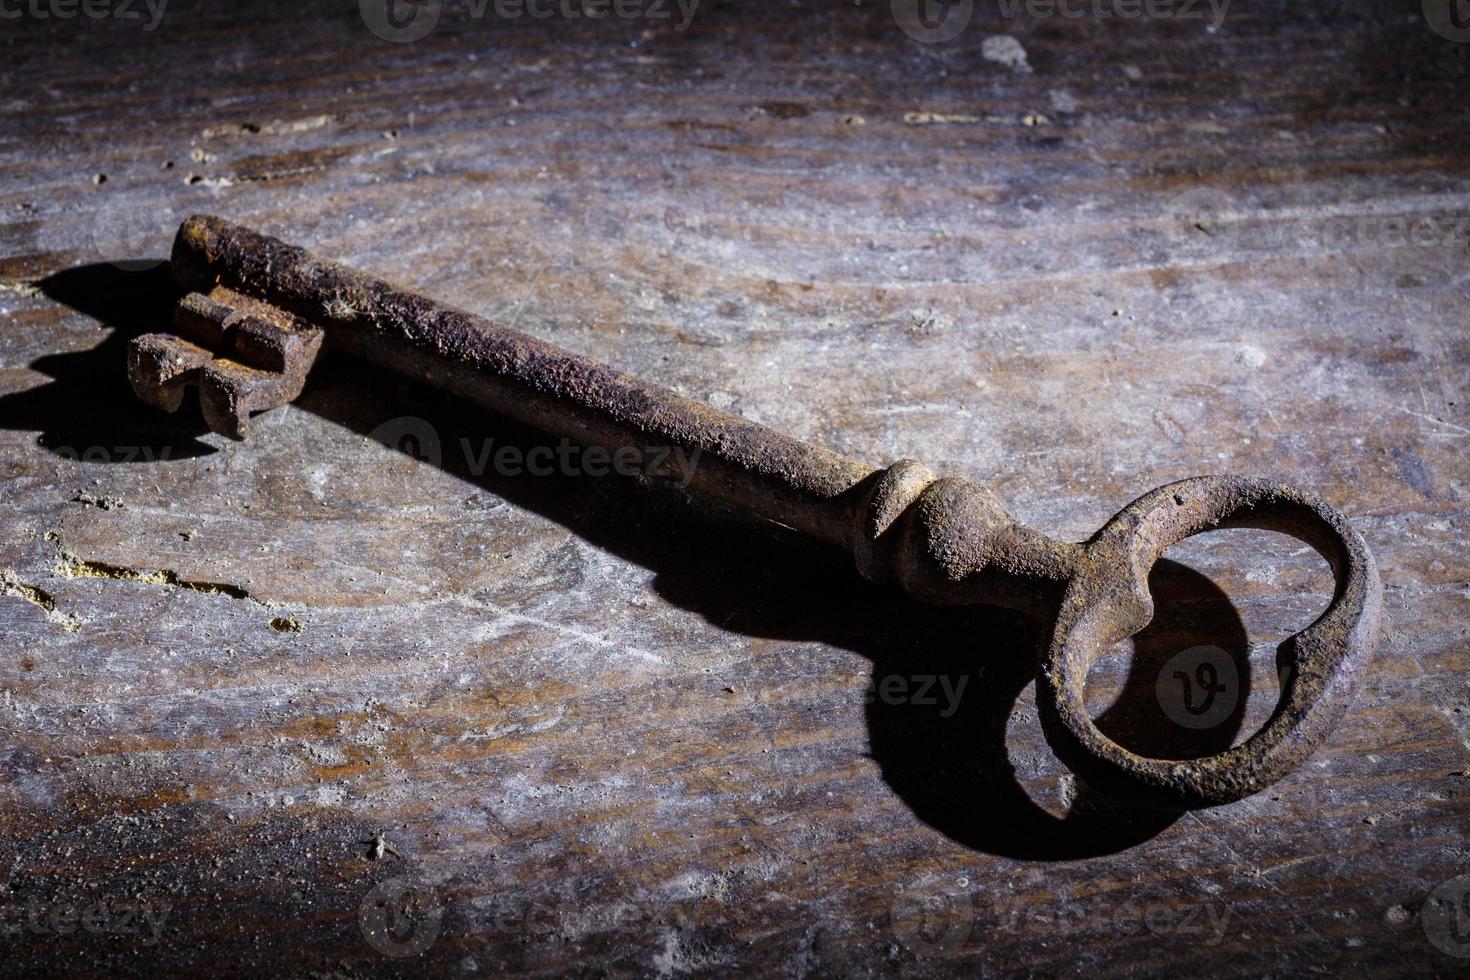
(230, 391)
(202, 319)
(162, 366)
(243, 355)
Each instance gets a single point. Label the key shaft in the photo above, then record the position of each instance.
(843, 501)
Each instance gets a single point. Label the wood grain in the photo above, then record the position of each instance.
(246, 684)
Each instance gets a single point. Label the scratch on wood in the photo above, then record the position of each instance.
(11, 585)
(69, 565)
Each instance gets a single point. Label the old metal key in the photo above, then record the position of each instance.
(257, 312)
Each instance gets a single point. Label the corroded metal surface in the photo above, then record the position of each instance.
(1108, 600)
(243, 355)
(945, 540)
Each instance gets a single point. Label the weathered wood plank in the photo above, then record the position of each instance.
(245, 684)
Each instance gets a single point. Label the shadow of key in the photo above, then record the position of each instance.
(88, 410)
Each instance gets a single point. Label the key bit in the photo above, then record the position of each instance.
(243, 355)
(258, 311)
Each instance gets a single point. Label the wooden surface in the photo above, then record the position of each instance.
(246, 685)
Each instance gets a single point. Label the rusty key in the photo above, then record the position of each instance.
(258, 311)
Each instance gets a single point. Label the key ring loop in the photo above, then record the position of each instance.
(1108, 600)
